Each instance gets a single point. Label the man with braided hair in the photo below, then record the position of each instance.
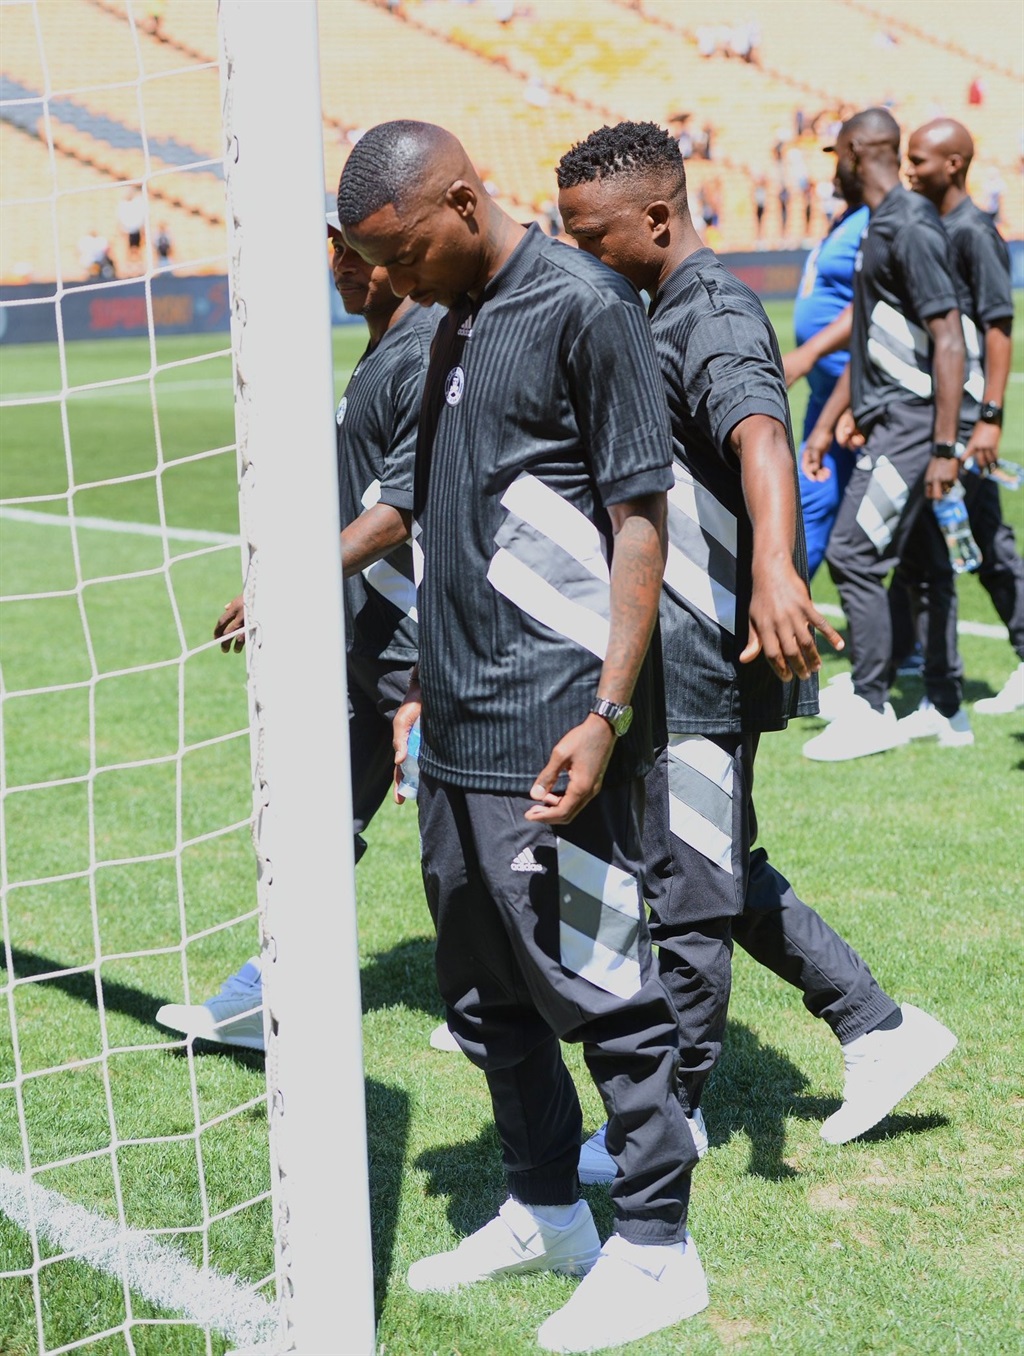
(737, 631)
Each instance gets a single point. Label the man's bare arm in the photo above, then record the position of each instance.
(373, 535)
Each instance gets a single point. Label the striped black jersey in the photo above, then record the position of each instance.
(981, 271)
(720, 363)
(903, 277)
(377, 419)
(543, 407)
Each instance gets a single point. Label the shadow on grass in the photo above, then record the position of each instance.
(751, 1091)
(387, 1129)
(404, 974)
(139, 1004)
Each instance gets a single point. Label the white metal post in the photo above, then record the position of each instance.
(302, 797)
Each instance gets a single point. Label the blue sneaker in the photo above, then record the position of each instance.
(234, 1016)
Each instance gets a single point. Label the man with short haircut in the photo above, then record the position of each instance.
(939, 155)
(905, 377)
(541, 470)
(377, 420)
(737, 631)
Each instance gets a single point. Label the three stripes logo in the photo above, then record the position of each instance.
(526, 861)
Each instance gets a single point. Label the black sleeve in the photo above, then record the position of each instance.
(398, 469)
(731, 370)
(619, 401)
(989, 276)
(923, 255)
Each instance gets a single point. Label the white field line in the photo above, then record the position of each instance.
(139, 386)
(20, 515)
(989, 630)
(158, 1273)
(965, 628)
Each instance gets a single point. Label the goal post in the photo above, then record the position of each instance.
(297, 693)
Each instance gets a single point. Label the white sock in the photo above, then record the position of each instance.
(557, 1215)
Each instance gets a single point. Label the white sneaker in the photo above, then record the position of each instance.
(515, 1241)
(882, 1067)
(1009, 698)
(928, 722)
(234, 1016)
(834, 696)
(598, 1166)
(633, 1290)
(442, 1039)
(857, 731)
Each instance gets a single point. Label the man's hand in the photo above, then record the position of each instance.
(232, 619)
(781, 617)
(405, 718)
(812, 459)
(940, 477)
(847, 433)
(583, 753)
(984, 445)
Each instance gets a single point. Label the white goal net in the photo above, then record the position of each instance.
(143, 1206)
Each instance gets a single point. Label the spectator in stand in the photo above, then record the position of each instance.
(783, 207)
(94, 255)
(760, 205)
(131, 218)
(940, 155)
(163, 244)
(707, 134)
(976, 92)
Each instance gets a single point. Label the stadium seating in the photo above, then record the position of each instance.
(518, 92)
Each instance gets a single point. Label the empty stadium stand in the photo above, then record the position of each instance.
(518, 90)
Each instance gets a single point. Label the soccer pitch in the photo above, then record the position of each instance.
(906, 1241)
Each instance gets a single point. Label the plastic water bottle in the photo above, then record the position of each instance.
(955, 526)
(409, 782)
(1006, 474)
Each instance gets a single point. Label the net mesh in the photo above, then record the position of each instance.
(135, 1209)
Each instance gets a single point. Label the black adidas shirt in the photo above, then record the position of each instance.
(720, 362)
(902, 278)
(543, 405)
(377, 421)
(981, 271)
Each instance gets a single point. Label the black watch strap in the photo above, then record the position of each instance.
(991, 413)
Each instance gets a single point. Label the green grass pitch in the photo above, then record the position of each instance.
(906, 1242)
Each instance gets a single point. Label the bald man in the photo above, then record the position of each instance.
(904, 385)
(939, 156)
(542, 466)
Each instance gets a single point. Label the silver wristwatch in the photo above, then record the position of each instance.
(620, 718)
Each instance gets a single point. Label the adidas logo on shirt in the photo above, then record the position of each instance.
(526, 861)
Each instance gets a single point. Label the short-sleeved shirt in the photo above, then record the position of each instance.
(377, 420)
(543, 408)
(903, 278)
(720, 362)
(981, 264)
(826, 289)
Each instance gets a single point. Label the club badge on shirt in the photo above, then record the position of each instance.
(454, 385)
(342, 407)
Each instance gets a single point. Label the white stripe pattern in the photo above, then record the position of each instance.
(371, 495)
(617, 890)
(543, 508)
(686, 823)
(889, 332)
(974, 376)
(568, 529)
(875, 524)
(393, 585)
(690, 579)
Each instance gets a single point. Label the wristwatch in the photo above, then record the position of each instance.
(955, 450)
(620, 718)
(991, 413)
